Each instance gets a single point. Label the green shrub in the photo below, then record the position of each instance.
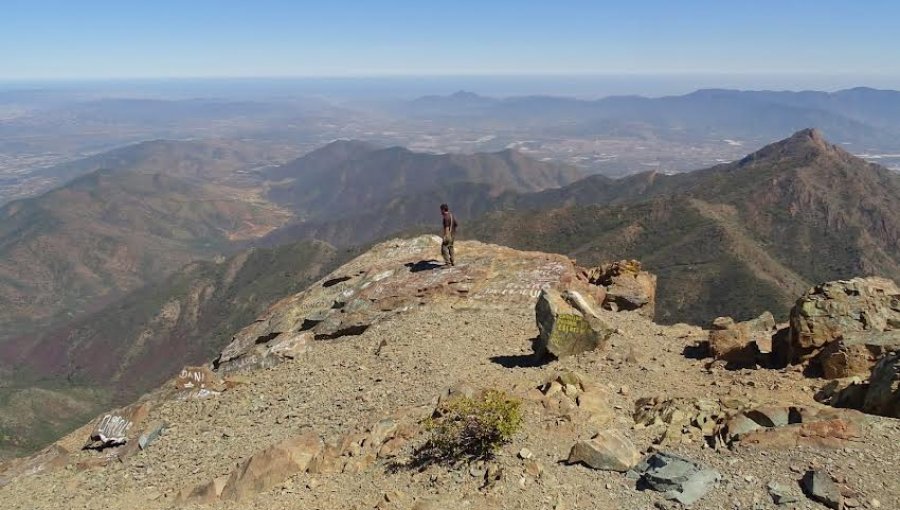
(471, 428)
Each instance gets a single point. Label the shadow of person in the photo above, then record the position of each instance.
(423, 265)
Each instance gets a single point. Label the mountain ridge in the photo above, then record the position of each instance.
(817, 210)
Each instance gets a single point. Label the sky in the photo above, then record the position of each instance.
(84, 39)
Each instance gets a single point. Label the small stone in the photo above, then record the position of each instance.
(821, 488)
(525, 454)
(534, 468)
(609, 450)
(874, 503)
(780, 495)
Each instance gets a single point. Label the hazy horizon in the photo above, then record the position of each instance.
(587, 86)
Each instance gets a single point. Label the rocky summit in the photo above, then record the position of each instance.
(330, 397)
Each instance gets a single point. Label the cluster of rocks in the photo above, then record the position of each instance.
(684, 420)
(570, 397)
(569, 321)
(623, 285)
(846, 330)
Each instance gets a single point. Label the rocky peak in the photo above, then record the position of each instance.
(803, 146)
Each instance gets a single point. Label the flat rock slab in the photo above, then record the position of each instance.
(677, 478)
(391, 278)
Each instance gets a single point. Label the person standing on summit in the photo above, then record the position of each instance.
(447, 234)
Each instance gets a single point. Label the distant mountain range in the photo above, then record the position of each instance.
(864, 117)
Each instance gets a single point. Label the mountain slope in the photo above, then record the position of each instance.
(131, 346)
(108, 232)
(345, 179)
(797, 212)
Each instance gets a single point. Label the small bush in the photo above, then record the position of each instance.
(471, 428)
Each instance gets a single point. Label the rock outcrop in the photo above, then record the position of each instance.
(274, 464)
(393, 277)
(857, 311)
(49, 459)
(780, 427)
(624, 286)
(742, 343)
(118, 427)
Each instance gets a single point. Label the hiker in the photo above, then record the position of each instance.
(449, 230)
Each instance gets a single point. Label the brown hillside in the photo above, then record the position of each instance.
(796, 212)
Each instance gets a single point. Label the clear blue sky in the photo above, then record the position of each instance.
(205, 38)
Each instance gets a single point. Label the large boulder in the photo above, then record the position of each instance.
(626, 286)
(568, 326)
(839, 310)
(883, 395)
(741, 343)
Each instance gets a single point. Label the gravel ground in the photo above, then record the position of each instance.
(342, 383)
